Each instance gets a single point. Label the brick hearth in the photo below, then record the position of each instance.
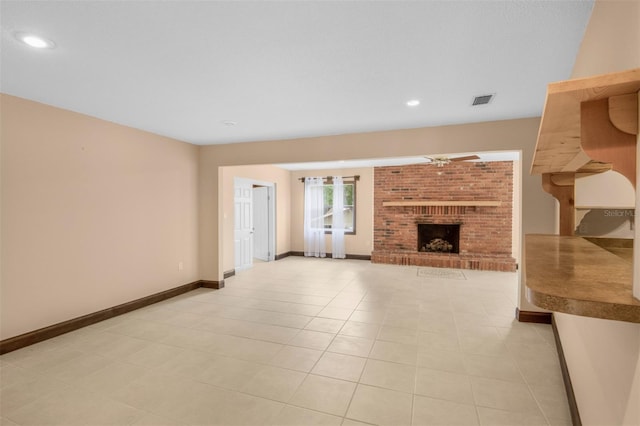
(485, 231)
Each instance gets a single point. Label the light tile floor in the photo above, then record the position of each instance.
(301, 342)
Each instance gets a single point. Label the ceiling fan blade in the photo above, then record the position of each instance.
(465, 158)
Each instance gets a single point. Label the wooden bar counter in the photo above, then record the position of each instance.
(575, 276)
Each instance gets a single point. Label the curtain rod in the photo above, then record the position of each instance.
(330, 178)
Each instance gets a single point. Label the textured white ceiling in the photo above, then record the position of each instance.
(290, 69)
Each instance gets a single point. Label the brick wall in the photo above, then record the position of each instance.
(485, 232)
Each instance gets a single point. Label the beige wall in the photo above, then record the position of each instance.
(265, 173)
(604, 365)
(612, 39)
(94, 214)
(603, 356)
(605, 190)
(509, 135)
(362, 242)
(609, 189)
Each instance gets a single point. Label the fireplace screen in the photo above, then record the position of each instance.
(439, 238)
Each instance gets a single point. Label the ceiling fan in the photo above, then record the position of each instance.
(441, 161)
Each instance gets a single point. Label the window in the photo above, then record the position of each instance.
(349, 207)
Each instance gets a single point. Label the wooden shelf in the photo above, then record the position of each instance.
(563, 146)
(413, 203)
(575, 276)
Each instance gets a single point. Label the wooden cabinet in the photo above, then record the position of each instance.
(589, 125)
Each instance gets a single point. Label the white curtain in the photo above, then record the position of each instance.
(337, 231)
(314, 217)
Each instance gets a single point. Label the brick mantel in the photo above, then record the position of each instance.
(479, 196)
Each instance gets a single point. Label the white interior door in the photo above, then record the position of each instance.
(261, 223)
(243, 225)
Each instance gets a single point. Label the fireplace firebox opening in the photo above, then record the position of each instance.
(437, 238)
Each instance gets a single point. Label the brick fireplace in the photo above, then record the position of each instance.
(420, 210)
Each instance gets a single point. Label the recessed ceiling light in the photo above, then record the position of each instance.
(34, 40)
(229, 123)
(413, 102)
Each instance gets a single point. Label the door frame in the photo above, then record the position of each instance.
(271, 209)
(261, 249)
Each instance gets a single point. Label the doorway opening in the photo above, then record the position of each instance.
(254, 222)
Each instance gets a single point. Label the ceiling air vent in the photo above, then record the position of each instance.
(482, 100)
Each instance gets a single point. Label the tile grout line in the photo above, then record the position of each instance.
(321, 356)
